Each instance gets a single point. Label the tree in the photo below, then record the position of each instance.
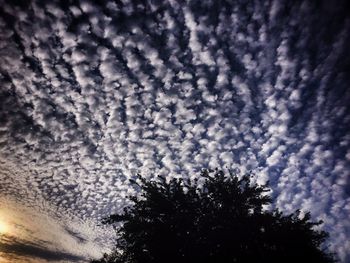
(216, 218)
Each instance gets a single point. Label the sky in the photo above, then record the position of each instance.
(94, 92)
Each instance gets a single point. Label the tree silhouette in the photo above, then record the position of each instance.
(215, 218)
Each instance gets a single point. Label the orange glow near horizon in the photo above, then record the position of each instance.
(4, 228)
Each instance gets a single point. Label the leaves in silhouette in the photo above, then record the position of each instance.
(215, 218)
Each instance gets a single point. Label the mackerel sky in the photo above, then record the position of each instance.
(94, 92)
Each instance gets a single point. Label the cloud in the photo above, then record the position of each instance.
(14, 247)
(93, 93)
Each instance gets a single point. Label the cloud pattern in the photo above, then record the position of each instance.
(93, 92)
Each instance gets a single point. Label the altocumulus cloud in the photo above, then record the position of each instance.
(93, 92)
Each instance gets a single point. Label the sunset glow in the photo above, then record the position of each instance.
(3, 228)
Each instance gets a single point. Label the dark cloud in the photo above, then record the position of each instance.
(94, 92)
(75, 235)
(22, 248)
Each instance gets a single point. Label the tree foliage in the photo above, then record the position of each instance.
(219, 220)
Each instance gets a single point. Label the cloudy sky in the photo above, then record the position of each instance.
(93, 92)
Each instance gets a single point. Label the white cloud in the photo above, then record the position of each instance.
(90, 99)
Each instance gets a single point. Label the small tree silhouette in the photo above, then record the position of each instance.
(220, 220)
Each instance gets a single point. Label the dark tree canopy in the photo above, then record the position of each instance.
(219, 220)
